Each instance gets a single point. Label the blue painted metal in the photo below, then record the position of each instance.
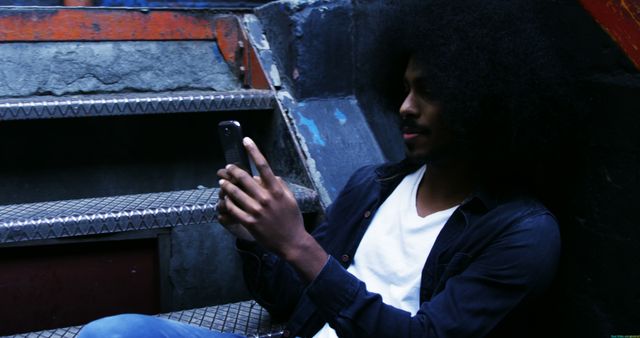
(337, 137)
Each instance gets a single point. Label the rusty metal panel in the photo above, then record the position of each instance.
(56, 24)
(621, 19)
(47, 287)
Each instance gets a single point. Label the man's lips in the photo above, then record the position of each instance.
(410, 133)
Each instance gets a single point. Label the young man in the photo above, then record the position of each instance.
(441, 244)
(362, 273)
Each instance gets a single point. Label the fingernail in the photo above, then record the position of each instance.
(228, 167)
(220, 182)
(247, 141)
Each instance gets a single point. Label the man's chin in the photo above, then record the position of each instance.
(426, 157)
(416, 157)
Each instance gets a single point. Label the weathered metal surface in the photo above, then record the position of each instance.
(51, 286)
(134, 104)
(259, 41)
(313, 43)
(75, 24)
(337, 136)
(245, 318)
(61, 219)
(621, 19)
(238, 52)
(317, 96)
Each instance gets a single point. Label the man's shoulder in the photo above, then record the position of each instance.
(520, 206)
(525, 213)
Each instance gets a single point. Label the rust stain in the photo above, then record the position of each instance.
(621, 20)
(103, 25)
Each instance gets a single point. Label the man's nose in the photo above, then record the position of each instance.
(408, 106)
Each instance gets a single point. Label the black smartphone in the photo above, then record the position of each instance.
(230, 133)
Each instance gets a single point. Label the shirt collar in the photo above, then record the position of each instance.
(480, 197)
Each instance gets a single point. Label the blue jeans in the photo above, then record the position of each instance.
(142, 326)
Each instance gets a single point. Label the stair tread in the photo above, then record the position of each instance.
(102, 215)
(134, 104)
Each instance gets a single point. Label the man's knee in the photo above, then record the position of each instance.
(120, 326)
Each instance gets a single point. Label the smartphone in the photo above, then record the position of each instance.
(230, 133)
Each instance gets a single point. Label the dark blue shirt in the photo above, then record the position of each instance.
(494, 258)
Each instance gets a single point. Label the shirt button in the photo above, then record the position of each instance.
(286, 333)
(345, 258)
(367, 214)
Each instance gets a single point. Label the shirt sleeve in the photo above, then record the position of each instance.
(272, 282)
(519, 264)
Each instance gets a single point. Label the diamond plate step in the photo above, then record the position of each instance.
(134, 104)
(245, 318)
(91, 216)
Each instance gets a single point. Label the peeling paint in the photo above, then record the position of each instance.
(340, 116)
(316, 176)
(285, 97)
(259, 40)
(313, 129)
(275, 76)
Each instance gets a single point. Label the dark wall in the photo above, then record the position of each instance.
(599, 284)
(588, 173)
(378, 75)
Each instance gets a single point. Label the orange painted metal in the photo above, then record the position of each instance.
(78, 2)
(230, 40)
(256, 74)
(104, 25)
(621, 19)
(238, 51)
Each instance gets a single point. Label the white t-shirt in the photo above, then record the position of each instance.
(395, 248)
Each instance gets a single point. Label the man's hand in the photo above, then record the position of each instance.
(268, 210)
(228, 221)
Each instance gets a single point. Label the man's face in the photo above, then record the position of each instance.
(425, 135)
